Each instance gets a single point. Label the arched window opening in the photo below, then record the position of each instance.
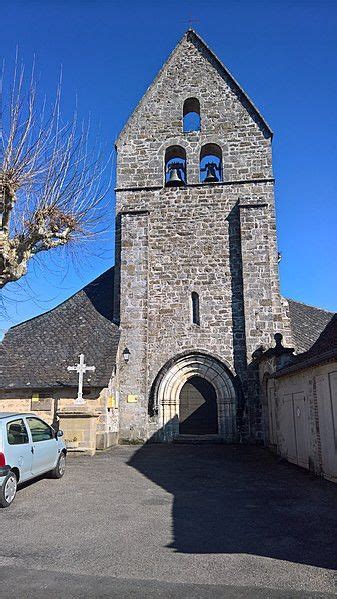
(191, 115)
(175, 166)
(210, 164)
(195, 308)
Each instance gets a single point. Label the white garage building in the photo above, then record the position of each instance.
(300, 410)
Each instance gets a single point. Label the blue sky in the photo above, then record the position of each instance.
(283, 53)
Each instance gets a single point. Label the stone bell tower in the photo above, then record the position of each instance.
(196, 260)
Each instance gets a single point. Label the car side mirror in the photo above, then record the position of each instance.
(59, 433)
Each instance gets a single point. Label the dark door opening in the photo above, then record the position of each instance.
(198, 414)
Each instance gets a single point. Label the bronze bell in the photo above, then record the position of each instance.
(175, 178)
(211, 176)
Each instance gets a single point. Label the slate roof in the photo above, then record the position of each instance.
(323, 350)
(307, 323)
(327, 341)
(36, 353)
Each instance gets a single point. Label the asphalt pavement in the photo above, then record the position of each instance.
(176, 521)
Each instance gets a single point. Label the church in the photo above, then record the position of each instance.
(178, 329)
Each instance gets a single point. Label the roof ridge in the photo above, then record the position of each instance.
(19, 324)
(290, 299)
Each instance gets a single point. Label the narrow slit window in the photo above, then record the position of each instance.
(195, 308)
(191, 115)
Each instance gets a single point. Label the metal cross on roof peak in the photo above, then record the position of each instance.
(192, 20)
(81, 368)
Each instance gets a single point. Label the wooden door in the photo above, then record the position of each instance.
(294, 428)
(301, 418)
(287, 440)
(198, 414)
(271, 413)
(326, 388)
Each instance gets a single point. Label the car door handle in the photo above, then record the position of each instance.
(32, 449)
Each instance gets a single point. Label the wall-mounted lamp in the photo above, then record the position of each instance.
(126, 355)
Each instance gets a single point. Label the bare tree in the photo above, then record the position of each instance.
(52, 189)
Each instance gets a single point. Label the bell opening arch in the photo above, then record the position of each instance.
(165, 395)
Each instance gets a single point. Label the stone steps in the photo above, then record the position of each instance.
(199, 439)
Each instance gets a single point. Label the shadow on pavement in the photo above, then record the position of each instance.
(242, 499)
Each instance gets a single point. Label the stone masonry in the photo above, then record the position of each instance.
(218, 240)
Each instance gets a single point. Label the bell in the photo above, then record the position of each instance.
(211, 176)
(175, 178)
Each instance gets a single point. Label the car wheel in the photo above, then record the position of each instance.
(60, 467)
(8, 490)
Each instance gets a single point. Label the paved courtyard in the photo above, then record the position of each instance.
(173, 521)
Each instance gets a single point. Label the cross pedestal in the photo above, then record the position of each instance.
(80, 422)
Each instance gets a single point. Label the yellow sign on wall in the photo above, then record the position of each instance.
(132, 398)
(35, 397)
(110, 402)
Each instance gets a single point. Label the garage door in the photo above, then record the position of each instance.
(301, 417)
(271, 413)
(287, 428)
(294, 428)
(326, 389)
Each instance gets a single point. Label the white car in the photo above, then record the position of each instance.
(28, 447)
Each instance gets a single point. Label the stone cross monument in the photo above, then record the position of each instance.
(81, 368)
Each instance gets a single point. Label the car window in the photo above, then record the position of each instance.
(40, 430)
(17, 432)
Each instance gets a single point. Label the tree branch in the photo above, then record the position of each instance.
(51, 194)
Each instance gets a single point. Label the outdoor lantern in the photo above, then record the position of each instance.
(126, 355)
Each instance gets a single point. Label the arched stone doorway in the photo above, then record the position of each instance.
(198, 412)
(166, 393)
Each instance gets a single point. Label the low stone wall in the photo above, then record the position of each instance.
(57, 407)
(13, 401)
(79, 425)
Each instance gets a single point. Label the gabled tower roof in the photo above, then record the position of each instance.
(191, 36)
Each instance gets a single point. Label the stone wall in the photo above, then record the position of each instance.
(217, 240)
(50, 404)
(132, 274)
(16, 401)
(225, 119)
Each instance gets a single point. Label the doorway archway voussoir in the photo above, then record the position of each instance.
(178, 374)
